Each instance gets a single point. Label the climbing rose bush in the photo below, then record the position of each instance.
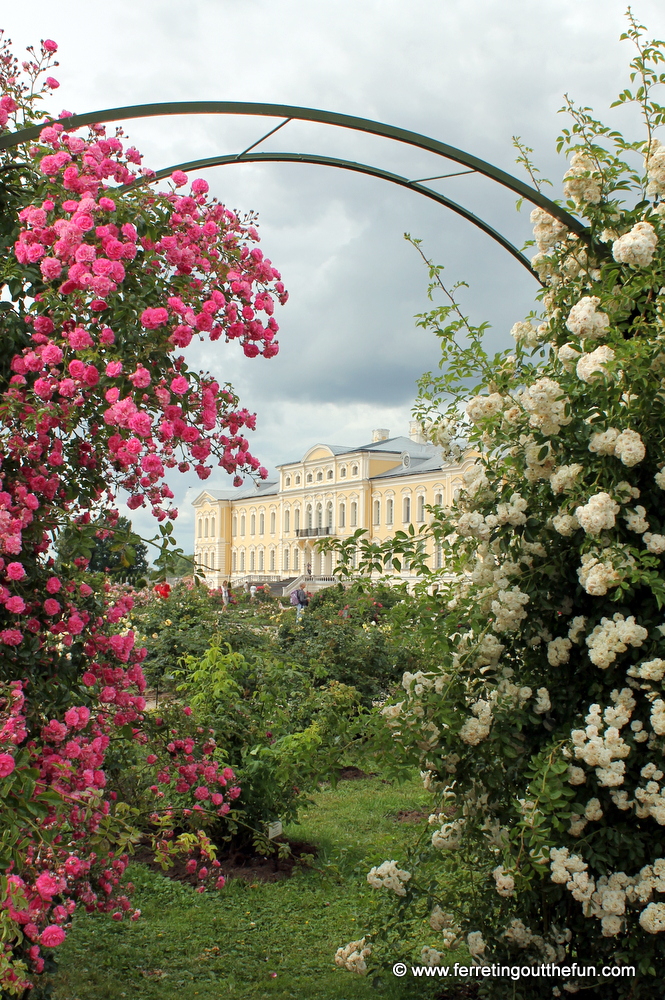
(542, 733)
(105, 281)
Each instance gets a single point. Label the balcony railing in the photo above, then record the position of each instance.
(313, 532)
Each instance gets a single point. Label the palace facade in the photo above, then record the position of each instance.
(268, 532)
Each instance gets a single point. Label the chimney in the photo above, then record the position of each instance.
(416, 432)
(380, 434)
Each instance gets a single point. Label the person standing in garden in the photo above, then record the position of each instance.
(302, 602)
(226, 594)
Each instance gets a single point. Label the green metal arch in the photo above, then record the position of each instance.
(363, 168)
(292, 112)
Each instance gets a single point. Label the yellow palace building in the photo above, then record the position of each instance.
(267, 532)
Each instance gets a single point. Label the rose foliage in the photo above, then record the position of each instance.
(103, 282)
(542, 732)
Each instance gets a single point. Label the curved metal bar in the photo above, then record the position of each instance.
(331, 161)
(314, 115)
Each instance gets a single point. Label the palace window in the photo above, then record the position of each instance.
(354, 514)
(329, 514)
(242, 560)
(205, 530)
(319, 515)
(212, 560)
(297, 480)
(406, 510)
(310, 519)
(262, 523)
(252, 524)
(288, 481)
(342, 515)
(376, 512)
(251, 561)
(273, 521)
(287, 521)
(310, 478)
(234, 525)
(242, 525)
(296, 519)
(200, 527)
(319, 476)
(295, 559)
(438, 500)
(330, 473)
(260, 560)
(234, 561)
(421, 508)
(354, 470)
(272, 560)
(342, 472)
(212, 527)
(285, 560)
(390, 511)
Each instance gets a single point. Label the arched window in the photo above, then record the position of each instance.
(354, 514)
(200, 527)
(342, 472)
(273, 521)
(288, 480)
(376, 519)
(406, 510)
(242, 525)
(205, 530)
(354, 470)
(296, 518)
(330, 473)
(438, 557)
(285, 560)
(420, 516)
(390, 511)
(295, 559)
(438, 500)
(234, 525)
(329, 515)
(319, 515)
(262, 523)
(310, 478)
(251, 561)
(260, 560)
(297, 480)
(272, 560)
(319, 476)
(252, 524)
(342, 515)
(234, 560)
(212, 527)
(287, 520)
(242, 560)
(212, 560)
(309, 516)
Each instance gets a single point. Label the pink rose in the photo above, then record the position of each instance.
(16, 605)
(15, 571)
(7, 764)
(50, 45)
(179, 178)
(53, 585)
(47, 886)
(52, 936)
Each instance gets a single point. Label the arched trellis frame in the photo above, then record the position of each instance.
(292, 113)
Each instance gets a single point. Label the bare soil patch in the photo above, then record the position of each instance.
(245, 864)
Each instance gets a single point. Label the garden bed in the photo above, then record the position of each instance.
(246, 864)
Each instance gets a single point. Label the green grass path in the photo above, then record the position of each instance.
(275, 940)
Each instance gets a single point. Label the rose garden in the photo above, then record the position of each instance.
(469, 774)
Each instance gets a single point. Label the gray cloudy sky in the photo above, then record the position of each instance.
(471, 73)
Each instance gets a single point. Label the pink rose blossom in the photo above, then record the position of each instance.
(7, 764)
(15, 571)
(52, 936)
(179, 178)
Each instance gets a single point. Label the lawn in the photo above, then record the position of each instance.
(261, 939)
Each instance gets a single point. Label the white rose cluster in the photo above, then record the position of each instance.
(475, 479)
(449, 835)
(604, 752)
(525, 333)
(352, 956)
(558, 651)
(597, 576)
(636, 520)
(389, 876)
(591, 366)
(505, 883)
(583, 182)
(654, 164)
(565, 477)
(606, 899)
(511, 512)
(636, 247)
(658, 717)
(509, 610)
(650, 670)
(612, 636)
(655, 543)
(629, 448)
(475, 944)
(585, 321)
(565, 524)
(547, 406)
(598, 514)
(483, 407)
(650, 800)
(547, 230)
(477, 729)
(568, 355)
